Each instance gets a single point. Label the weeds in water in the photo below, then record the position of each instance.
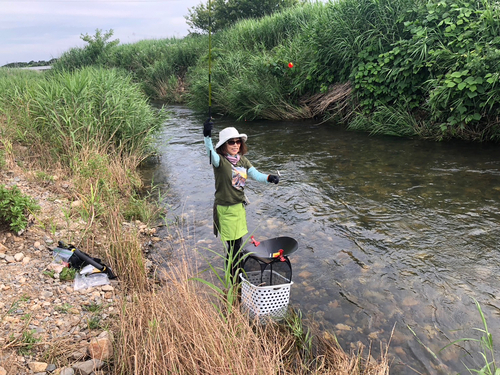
(487, 347)
(228, 293)
(303, 336)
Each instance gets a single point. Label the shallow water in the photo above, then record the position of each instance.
(393, 233)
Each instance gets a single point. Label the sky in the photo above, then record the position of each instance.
(44, 29)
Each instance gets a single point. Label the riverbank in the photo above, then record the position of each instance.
(48, 326)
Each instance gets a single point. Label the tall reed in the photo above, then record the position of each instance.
(65, 112)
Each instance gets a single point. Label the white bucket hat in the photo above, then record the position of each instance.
(229, 133)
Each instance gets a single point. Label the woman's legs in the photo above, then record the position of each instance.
(233, 257)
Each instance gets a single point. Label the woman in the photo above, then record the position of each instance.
(231, 169)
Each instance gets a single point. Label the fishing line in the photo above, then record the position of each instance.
(210, 68)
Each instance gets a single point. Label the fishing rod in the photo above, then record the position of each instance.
(210, 69)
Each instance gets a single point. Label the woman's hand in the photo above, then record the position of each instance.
(273, 179)
(207, 127)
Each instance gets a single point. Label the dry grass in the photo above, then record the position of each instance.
(334, 103)
(125, 255)
(176, 328)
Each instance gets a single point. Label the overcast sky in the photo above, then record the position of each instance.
(42, 29)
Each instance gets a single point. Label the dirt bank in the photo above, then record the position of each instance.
(48, 327)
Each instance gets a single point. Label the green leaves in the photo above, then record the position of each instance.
(445, 70)
(15, 207)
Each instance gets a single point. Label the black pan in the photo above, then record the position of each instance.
(269, 249)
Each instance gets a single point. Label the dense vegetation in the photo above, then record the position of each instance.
(64, 112)
(405, 67)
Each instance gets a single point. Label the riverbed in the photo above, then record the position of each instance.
(397, 237)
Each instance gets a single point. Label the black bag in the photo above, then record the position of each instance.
(79, 259)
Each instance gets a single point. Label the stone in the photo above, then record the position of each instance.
(37, 366)
(2, 371)
(76, 204)
(87, 367)
(107, 288)
(50, 368)
(343, 327)
(67, 371)
(79, 354)
(101, 348)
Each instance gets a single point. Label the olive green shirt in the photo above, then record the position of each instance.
(225, 193)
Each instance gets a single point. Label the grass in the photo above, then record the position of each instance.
(61, 114)
(158, 335)
(64, 308)
(27, 342)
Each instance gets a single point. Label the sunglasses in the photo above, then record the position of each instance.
(232, 142)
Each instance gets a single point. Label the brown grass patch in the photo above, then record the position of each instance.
(334, 103)
(178, 329)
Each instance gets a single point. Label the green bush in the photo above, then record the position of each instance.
(445, 69)
(14, 208)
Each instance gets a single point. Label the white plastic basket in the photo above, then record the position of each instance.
(265, 301)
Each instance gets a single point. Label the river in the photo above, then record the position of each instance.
(395, 235)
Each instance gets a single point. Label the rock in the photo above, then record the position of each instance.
(87, 367)
(37, 366)
(50, 368)
(67, 371)
(10, 259)
(343, 327)
(101, 347)
(2, 371)
(76, 204)
(3, 248)
(107, 288)
(79, 354)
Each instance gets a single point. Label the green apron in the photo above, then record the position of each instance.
(230, 221)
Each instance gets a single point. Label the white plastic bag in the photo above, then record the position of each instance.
(90, 280)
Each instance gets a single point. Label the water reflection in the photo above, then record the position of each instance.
(392, 232)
